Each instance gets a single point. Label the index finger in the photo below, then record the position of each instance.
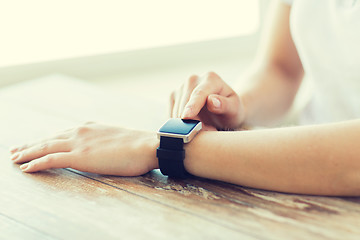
(199, 95)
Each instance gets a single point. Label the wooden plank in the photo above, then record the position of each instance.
(12, 229)
(285, 216)
(66, 205)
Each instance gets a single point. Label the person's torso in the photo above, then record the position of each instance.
(327, 37)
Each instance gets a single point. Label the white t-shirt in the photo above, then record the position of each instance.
(327, 36)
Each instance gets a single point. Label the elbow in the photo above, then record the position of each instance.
(295, 73)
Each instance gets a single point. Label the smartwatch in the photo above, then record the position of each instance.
(173, 134)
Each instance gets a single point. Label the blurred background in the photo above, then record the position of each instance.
(145, 47)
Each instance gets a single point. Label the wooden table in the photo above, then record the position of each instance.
(67, 204)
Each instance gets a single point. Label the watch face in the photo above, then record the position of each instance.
(179, 126)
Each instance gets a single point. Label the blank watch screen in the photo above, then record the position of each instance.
(178, 126)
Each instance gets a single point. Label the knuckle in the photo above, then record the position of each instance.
(23, 154)
(199, 92)
(44, 147)
(212, 77)
(33, 165)
(49, 159)
(192, 80)
(82, 130)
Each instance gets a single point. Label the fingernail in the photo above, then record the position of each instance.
(15, 156)
(216, 102)
(13, 149)
(24, 166)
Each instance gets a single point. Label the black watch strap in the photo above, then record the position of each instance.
(171, 156)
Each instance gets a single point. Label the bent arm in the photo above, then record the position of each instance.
(269, 88)
(319, 159)
(264, 95)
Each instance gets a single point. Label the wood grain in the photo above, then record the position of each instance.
(249, 210)
(92, 206)
(66, 205)
(12, 229)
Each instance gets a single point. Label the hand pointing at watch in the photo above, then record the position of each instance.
(209, 99)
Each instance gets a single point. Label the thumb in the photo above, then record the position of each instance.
(222, 105)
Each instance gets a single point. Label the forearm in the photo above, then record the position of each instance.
(321, 159)
(268, 94)
(277, 73)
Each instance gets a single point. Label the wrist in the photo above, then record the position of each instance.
(149, 145)
(173, 135)
(194, 154)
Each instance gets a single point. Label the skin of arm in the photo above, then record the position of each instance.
(319, 159)
(273, 81)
